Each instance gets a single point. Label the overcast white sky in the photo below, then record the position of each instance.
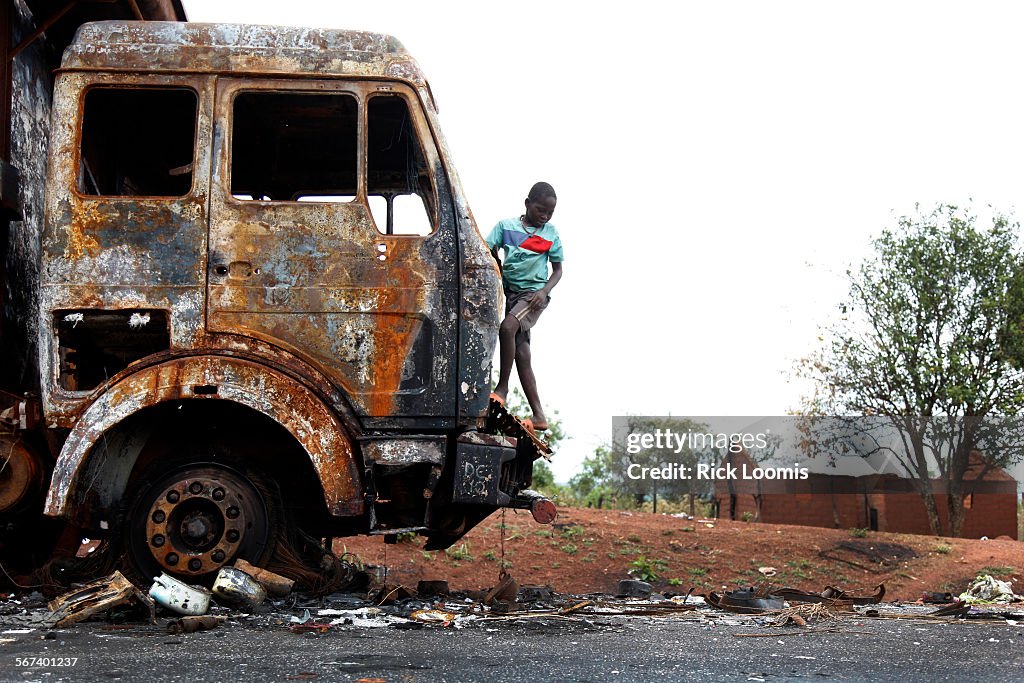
(718, 166)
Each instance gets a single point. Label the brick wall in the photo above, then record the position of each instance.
(846, 502)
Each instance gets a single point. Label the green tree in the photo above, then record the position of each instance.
(592, 484)
(923, 343)
(543, 477)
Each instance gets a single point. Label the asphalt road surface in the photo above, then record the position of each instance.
(596, 648)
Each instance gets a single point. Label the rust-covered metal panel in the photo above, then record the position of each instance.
(239, 49)
(284, 400)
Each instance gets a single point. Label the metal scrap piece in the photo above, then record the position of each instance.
(98, 597)
(830, 594)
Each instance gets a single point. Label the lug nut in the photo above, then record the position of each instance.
(195, 487)
(159, 516)
(218, 494)
(172, 559)
(232, 536)
(173, 496)
(194, 564)
(218, 556)
(232, 512)
(158, 541)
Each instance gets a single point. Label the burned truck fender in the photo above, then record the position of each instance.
(290, 404)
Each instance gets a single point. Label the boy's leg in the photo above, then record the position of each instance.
(507, 333)
(526, 377)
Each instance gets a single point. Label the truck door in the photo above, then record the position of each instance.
(332, 236)
(124, 248)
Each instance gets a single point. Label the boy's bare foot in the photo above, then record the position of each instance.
(498, 397)
(539, 423)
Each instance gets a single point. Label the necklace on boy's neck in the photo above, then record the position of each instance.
(529, 228)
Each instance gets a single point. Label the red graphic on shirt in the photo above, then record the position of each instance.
(536, 244)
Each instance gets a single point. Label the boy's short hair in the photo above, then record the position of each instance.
(541, 190)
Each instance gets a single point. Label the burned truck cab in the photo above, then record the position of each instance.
(264, 301)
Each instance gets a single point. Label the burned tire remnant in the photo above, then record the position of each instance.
(197, 519)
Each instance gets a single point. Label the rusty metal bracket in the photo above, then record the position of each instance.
(499, 420)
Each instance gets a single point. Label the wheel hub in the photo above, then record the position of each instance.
(196, 524)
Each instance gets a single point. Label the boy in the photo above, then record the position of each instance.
(530, 243)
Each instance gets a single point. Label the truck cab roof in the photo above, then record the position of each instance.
(167, 46)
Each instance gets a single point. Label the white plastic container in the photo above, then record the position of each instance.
(180, 597)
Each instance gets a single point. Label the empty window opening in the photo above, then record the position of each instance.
(398, 183)
(287, 146)
(95, 345)
(137, 142)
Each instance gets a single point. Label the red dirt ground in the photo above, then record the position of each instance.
(591, 550)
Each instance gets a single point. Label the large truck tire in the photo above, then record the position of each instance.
(197, 518)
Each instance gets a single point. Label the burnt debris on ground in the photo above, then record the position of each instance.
(250, 598)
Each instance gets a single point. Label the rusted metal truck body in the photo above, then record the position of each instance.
(264, 302)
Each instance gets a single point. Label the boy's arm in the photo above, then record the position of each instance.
(556, 274)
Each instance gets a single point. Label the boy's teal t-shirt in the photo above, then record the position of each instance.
(527, 252)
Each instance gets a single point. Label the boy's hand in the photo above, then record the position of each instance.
(538, 298)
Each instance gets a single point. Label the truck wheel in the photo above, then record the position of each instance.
(194, 520)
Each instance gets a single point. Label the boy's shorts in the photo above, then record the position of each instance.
(518, 304)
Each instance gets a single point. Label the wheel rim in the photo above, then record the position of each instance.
(199, 519)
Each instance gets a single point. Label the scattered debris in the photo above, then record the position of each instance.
(237, 588)
(433, 616)
(505, 591)
(805, 613)
(634, 588)
(936, 598)
(99, 597)
(768, 571)
(277, 586)
(180, 597)
(193, 624)
(389, 594)
(987, 589)
(831, 595)
(749, 601)
(778, 611)
(429, 588)
(534, 594)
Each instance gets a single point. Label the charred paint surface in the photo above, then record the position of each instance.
(374, 312)
(29, 117)
(480, 302)
(120, 252)
(287, 402)
(227, 48)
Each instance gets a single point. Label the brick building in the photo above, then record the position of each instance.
(881, 502)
